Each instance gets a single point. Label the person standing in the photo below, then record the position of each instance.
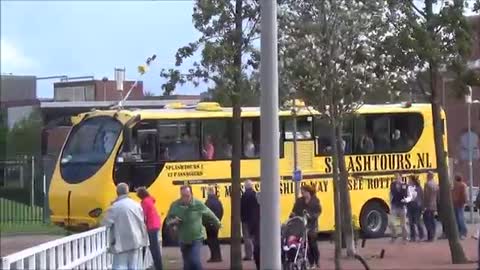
(152, 220)
(214, 204)
(247, 203)
(311, 204)
(188, 214)
(414, 208)
(459, 196)
(253, 226)
(430, 206)
(398, 192)
(125, 221)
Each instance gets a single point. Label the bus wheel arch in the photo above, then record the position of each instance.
(374, 218)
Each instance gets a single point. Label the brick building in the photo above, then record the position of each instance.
(95, 90)
(457, 114)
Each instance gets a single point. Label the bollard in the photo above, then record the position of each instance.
(382, 253)
(364, 241)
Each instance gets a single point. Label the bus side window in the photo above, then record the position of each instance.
(387, 133)
(217, 137)
(323, 142)
(251, 137)
(406, 130)
(179, 140)
(304, 128)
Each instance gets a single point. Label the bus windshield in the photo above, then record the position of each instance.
(89, 146)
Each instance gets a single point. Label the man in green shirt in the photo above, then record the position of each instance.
(188, 214)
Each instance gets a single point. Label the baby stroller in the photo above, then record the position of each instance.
(295, 243)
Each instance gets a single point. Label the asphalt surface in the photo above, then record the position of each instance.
(12, 244)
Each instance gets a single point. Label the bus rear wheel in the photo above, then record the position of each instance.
(373, 220)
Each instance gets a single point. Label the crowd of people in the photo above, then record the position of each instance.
(136, 226)
(412, 201)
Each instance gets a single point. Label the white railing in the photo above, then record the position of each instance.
(87, 250)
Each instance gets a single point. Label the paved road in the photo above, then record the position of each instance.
(12, 244)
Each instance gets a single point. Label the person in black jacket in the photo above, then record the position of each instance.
(398, 210)
(254, 230)
(212, 231)
(311, 204)
(248, 201)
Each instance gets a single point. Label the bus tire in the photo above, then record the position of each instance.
(373, 219)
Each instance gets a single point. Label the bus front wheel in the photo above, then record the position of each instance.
(373, 220)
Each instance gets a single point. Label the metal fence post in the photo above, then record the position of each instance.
(46, 210)
(33, 183)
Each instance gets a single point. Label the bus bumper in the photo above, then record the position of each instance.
(75, 223)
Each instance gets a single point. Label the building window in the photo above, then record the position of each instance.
(469, 144)
(75, 93)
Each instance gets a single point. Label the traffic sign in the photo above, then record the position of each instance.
(297, 175)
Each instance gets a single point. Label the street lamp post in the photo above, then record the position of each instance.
(104, 81)
(119, 78)
(470, 148)
(269, 152)
(295, 146)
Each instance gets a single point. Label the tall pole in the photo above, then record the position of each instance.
(33, 181)
(269, 152)
(470, 151)
(295, 147)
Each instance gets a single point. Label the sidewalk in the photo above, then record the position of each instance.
(422, 256)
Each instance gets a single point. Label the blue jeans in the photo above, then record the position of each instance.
(478, 253)
(155, 249)
(430, 224)
(414, 213)
(191, 255)
(128, 260)
(460, 217)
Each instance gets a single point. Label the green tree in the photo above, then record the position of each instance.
(250, 93)
(3, 134)
(228, 56)
(329, 56)
(25, 136)
(436, 41)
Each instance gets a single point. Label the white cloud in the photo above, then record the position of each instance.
(13, 59)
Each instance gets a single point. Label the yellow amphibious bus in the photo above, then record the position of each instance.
(166, 148)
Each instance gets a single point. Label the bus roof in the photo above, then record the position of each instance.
(193, 112)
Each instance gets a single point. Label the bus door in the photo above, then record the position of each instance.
(138, 163)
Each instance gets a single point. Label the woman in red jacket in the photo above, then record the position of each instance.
(152, 220)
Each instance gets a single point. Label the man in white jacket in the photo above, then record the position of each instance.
(128, 233)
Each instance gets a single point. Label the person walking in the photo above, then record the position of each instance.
(398, 211)
(188, 214)
(414, 201)
(247, 202)
(253, 225)
(128, 233)
(152, 220)
(459, 196)
(311, 204)
(430, 206)
(477, 205)
(214, 204)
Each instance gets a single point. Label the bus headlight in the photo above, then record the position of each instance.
(95, 212)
